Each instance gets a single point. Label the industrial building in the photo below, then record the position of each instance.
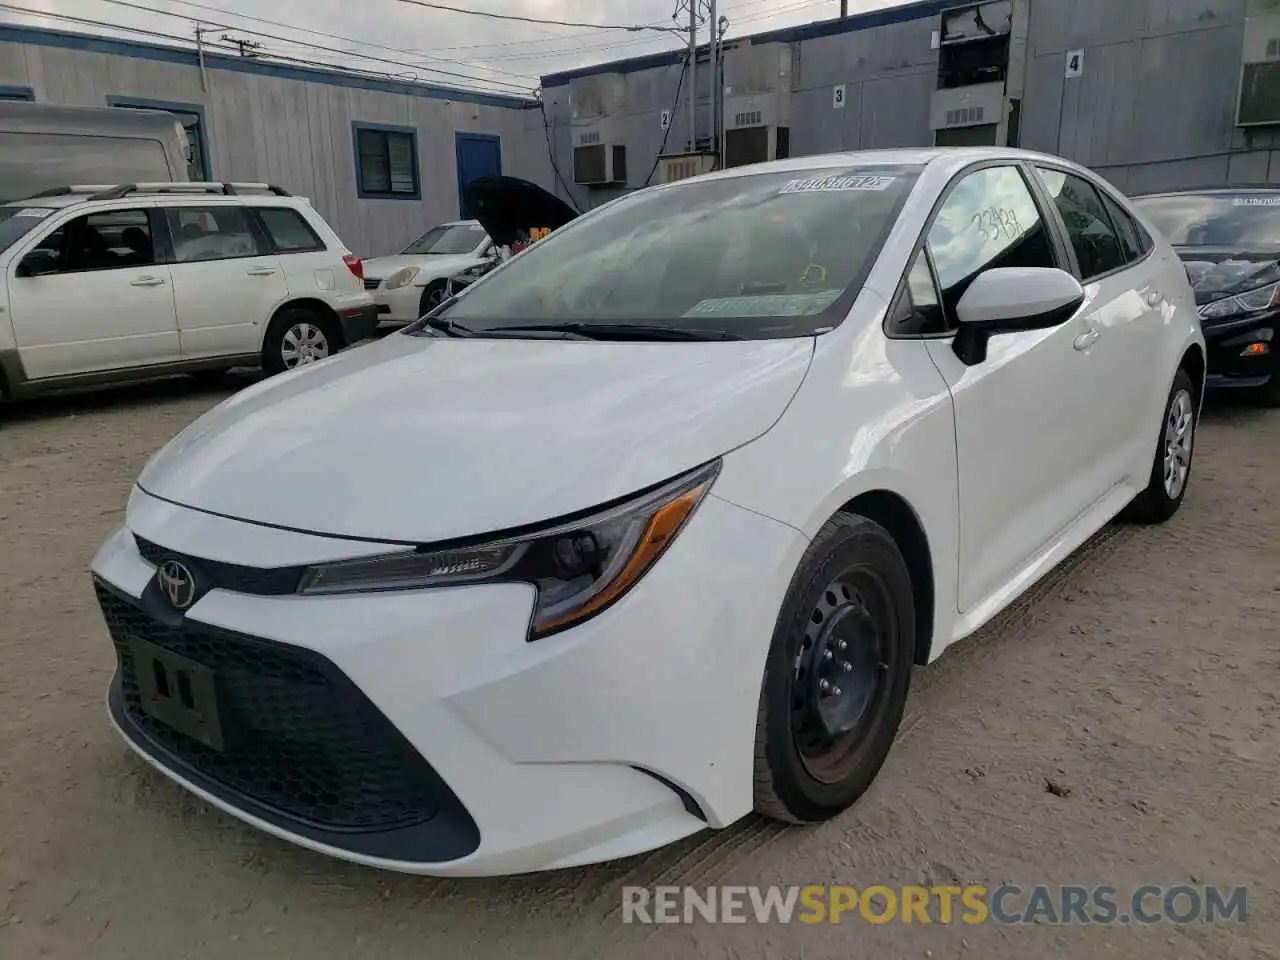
(381, 159)
(1153, 94)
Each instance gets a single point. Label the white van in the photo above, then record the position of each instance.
(44, 146)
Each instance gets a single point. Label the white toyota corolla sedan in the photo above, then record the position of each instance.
(683, 493)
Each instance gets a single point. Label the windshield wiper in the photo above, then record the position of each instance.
(615, 331)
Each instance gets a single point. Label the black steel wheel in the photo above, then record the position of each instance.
(837, 674)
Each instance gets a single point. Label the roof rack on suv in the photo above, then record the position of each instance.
(106, 191)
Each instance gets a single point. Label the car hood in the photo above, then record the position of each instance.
(420, 439)
(433, 264)
(508, 206)
(1217, 272)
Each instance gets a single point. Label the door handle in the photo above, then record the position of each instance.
(1087, 339)
(261, 272)
(147, 282)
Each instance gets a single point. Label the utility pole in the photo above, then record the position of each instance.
(693, 75)
(248, 48)
(204, 73)
(714, 85)
(844, 9)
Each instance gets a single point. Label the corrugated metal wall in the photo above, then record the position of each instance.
(1155, 107)
(295, 132)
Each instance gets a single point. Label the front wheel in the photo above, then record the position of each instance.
(837, 673)
(298, 337)
(432, 296)
(1171, 469)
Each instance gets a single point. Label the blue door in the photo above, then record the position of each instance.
(479, 155)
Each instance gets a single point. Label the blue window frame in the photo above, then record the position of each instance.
(17, 93)
(191, 116)
(386, 161)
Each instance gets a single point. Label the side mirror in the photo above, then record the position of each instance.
(1010, 300)
(38, 263)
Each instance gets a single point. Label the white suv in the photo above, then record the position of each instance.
(99, 284)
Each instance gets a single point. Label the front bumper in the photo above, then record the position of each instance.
(400, 306)
(1225, 343)
(625, 733)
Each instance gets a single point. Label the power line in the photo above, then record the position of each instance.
(219, 48)
(522, 87)
(516, 18)
(321, 33)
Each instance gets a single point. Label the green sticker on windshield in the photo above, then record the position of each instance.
(766, 305)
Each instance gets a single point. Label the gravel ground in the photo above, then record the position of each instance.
(1141, 679)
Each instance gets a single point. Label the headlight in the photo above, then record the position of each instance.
(1255, 301)
(479, 270)
(401, 278)
(579, 568)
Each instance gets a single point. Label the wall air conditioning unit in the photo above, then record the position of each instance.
(682, 166)
(1258, 104)
(757, 103)
(599, 106)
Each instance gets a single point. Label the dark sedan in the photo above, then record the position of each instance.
(1229, 240)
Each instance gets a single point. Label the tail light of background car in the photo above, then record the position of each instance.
(355, 265)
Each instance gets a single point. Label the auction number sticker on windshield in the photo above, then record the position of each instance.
(840, 184)
(1257, 201)
(35, 213)
(766, 305)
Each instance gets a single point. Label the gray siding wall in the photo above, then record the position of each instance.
(1154, 109)
(297, 133)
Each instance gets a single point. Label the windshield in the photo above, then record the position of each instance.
(462, 238)
(17, 221)
(763, 255)
(1243, 221)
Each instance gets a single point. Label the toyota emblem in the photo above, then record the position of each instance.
(177, 583)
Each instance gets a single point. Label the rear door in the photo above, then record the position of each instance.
(1113, 262)
(226, 283)
(106, 302)
(1027, 421)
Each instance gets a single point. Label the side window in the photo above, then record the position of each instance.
(111, 240)
(988, 220)
(288, 230)
(1094, 239)
(211, 233)
(1133, 239)
(918, 311)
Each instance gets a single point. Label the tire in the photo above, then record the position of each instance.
(294, 329)
(432, 296)
(1163, 496)
(816, 752)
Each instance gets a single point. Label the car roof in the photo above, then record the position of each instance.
(1217, 190)
(919, 156)
(66, 200)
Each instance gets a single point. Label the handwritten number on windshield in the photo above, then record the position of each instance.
(998, 224)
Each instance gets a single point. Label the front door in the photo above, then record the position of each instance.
(226, 286)
(479, 155)
(1026, 417)
(99, 300)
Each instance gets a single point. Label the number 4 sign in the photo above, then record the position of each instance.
(837, 96)
(1075, 63)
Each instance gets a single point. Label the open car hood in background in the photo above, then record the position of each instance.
(507, 207)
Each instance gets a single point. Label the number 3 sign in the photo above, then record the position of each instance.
(837, 96)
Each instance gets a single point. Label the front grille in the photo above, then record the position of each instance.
(372, 283)
(299, 737)
(216, 575)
